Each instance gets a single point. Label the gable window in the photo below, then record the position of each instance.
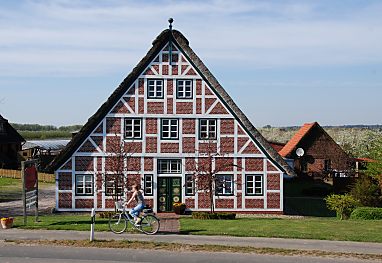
(155, 89)
(169, 128)
(327, 165)
(84, 184)
(112, 183)
(133, 128)
(189, 186)
(169, 166)
(207, 129)
(148, 184)
(184, 89)
(224, 184)
(304, 166)
(254, 184)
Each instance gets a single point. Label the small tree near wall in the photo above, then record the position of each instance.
(118, 163)
(209, 163)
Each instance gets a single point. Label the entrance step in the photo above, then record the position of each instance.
(169, 222)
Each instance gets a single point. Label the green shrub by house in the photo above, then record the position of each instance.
(206, 215)
(367, 213)
(367, 192)
(342, 204)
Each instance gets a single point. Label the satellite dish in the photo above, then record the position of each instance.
(300, 152)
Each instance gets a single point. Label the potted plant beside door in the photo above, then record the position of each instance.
(179, 208)
(6, 222)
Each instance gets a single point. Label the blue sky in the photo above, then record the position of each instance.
(283, 62)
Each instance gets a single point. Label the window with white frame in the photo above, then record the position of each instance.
(114, 182)
(254, 184)
(133, 128)
(171, 166)
(184, 89)
(224, 184)
(170, 128)
(155, 88)
(148, 184)
(84, 184)
(207, 129)
(189, 185)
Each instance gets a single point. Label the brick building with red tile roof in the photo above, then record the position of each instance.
(322, 156)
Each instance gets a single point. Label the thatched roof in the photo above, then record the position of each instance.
(182, 44)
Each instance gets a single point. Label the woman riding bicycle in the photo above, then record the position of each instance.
(138, 197)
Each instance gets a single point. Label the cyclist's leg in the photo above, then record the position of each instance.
(135, 211)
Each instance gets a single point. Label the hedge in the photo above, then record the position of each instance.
(206, 215)
(367, 213)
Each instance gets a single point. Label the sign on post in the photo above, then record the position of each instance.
(29, 177)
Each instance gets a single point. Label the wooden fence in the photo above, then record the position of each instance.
(16, 174)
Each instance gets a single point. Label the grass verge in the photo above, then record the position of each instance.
(307, 228)
(10, 189)
(66, 222)
(200, 248)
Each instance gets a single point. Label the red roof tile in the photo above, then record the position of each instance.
(292, 144)
(276, 145)
(366, 160)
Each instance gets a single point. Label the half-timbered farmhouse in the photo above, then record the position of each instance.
(166, 116)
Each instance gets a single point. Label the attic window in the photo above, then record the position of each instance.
(155, 89)
(2, 127)
(133, 128)
(170, 129)
(207, 129)
(184, 89)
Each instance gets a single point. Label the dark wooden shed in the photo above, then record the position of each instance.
(10, 145)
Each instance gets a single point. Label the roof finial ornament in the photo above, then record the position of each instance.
(170, 20)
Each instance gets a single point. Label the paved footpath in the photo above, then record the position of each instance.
(301, 244)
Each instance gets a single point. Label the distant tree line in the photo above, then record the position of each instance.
(43, 132)
(38, 127)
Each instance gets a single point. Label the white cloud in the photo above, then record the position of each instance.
(79, 37)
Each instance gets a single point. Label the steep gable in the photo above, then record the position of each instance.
(123, 101)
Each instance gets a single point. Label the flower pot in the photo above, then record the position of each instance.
(179, 210)
(7, 223)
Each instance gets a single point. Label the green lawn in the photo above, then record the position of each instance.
(65, 222)
(10, 189)
(309, 228)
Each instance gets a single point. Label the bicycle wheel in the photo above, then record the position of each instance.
(149, 225)
(117, 223)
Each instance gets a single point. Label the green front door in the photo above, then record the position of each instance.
(169, 192)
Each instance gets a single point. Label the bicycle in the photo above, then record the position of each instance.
(118, 223)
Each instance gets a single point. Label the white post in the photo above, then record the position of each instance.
(92, 225)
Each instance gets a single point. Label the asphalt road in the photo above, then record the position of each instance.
(10, 253)
(300, 244)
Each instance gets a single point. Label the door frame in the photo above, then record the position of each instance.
(172, 176)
